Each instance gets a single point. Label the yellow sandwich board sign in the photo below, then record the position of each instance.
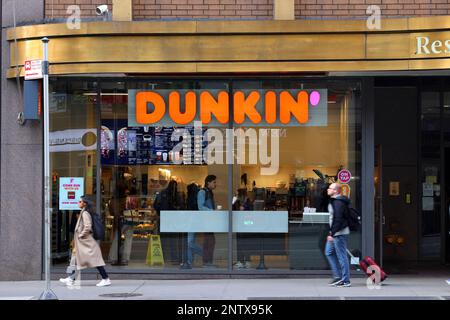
(154, 251)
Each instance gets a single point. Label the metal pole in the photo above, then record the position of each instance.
(48, 293)
(230, 144)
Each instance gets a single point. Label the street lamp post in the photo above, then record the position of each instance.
(47, 294)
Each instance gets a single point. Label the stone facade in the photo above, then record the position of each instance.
(21, 166)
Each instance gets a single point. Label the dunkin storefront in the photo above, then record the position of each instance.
(276, 110)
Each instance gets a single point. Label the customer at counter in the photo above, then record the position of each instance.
(205, 200)
(168, 200)
(243, 240)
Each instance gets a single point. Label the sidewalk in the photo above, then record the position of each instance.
(397, 287)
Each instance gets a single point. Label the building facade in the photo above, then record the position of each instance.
(276, 99)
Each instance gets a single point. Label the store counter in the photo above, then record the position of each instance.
(307, 239)
(217, 221)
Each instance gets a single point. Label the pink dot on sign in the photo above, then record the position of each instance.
(314, 98)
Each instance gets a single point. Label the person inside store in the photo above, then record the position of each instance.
(243, 240)
(192, 246)
(86, 249)
(121, 193)
(205, 201)
(122, 225)
(169, 200)
(128, 224)
(336, 246)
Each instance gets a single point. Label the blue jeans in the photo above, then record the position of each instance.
(336, 253)
(192, 248)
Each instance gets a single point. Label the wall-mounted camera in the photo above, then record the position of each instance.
(103, 11)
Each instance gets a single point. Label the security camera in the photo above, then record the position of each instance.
(101, 10)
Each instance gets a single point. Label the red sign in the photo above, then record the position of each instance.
(33, 69)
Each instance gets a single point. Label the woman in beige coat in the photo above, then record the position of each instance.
(86, 249)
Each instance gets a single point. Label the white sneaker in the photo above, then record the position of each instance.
(104, 283)
(238, 265)
(448, 281)
(67, 281)
(247, 265)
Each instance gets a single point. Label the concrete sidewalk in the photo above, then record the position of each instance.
(399, 287)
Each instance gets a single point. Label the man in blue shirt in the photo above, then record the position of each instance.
(205, 200)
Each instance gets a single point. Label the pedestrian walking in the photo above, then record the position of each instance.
(86, 251)
(336, 246)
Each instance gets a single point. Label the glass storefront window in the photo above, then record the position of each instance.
(276, 193)
(308, 158)
(73, 156)
(147, 195)
(434, 173)
(430, 244)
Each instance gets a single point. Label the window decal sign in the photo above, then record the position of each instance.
(70, 191)
(344, 176)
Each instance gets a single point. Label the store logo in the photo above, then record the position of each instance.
(258, 107)
(73, 140)
(264, 112)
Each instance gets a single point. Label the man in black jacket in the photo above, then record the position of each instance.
(336, 247)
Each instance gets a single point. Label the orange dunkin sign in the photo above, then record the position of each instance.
(213, 107)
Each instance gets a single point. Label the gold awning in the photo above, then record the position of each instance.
(187, 47)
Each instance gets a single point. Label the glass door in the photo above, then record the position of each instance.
(430, 183)
(73, 157)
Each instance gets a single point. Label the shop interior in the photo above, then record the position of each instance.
(309, 159)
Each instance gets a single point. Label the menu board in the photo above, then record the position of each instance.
(163, 145)
(140, 145)
(122, 145)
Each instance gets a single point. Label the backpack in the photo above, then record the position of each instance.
(192, 193)
(98, 229)
(353, 218)
(161, 202)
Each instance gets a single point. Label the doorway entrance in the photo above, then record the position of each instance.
(396, 215)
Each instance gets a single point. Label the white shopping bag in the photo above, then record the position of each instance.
(353, 260)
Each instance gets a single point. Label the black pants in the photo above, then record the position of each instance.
(101, 270)
(209, 243)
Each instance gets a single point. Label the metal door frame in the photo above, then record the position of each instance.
(379, 216)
